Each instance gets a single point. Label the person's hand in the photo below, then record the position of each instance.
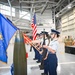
(44, 46)
(45, 58)
(30, 42)
(41, 52)
(38, 49)
(40, 46)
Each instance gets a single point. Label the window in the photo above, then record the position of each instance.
(24, 15)
(6, 10)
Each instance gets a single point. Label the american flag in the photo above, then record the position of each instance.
(34, 27)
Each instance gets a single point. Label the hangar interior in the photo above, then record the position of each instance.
(50, 14)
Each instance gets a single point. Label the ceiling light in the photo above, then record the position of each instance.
(69, 6)
(57, 15)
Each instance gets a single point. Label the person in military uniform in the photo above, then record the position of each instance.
(37, 46)
(70, 40)
(52, 49)
(37, 55)
(44, 61)
(65, 40)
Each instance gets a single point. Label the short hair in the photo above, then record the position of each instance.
(37, 34)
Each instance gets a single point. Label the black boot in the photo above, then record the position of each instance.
(41, 67)
(43, 74)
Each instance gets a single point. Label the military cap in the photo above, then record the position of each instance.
(43, 32)
(55, 31)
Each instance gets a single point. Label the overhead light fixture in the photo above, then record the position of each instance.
(69, 6)
(57, 15)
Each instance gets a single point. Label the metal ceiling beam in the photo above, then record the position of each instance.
(21, 18)
(10, 9)
(4, 3)
(65, 9)
(12, 0)
(59, 3)
(28, 6)
(31, 12)
(45, 6)
(38, 10)
(22, 1)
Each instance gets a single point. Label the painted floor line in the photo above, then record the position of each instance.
(67, 63)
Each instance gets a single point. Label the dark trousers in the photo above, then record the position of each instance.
(46, 67)
(30, 48)
(52, 64)
(39, 57)
(36, 53)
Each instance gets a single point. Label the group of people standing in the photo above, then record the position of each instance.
(45, 50)
(49, 44)
(69, 41)
(38, 43)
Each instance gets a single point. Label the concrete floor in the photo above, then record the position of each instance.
(66, 63)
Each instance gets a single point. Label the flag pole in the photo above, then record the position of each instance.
(10, 9)
(19, 59)
(28, 40)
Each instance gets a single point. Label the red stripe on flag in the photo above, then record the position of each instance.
(34, 27)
